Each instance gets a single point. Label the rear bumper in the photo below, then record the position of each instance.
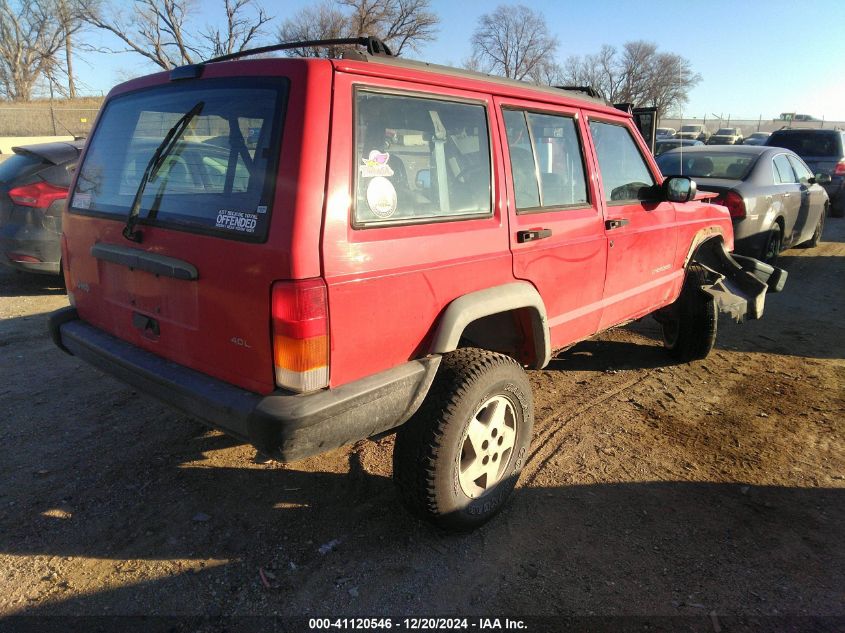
(285, 426)
(836, 191)
(42, 244)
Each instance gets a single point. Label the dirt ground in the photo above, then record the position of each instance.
(716, 487)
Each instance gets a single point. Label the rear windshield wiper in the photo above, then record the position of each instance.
(161, 152)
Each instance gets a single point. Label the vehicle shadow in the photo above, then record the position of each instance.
(14, 283)
(605, 354)
(691, 547)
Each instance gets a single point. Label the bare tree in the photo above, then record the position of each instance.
(402, 24)
(322, 22)
(240, 29)
(515, 42)
(30, 39)
(640, 75)
(163, 30)
(68, 14)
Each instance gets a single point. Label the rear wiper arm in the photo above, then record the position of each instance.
(161, 152)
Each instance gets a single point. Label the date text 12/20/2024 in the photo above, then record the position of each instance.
(416, 624)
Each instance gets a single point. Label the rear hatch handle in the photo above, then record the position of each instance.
(134, 258)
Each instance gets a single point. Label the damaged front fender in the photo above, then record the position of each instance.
(737, 283)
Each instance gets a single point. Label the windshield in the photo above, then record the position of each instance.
(690, 128)
(729, 166)
(218, 176)
(725, 131)
(808, 143)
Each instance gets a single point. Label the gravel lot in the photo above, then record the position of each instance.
(716, 487)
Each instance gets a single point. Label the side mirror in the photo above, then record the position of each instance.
(423, 179)
(679, 189)
(823, 179)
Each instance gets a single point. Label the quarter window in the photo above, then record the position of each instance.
(624, 173)
(419, 160)
(546, 160)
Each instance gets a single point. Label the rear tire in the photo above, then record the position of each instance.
(773, 245)
(689, 325)
(838, 210)
(457, 460)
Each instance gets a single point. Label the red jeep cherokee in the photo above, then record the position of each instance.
(308, 252)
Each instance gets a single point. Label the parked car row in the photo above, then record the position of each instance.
(722, 136)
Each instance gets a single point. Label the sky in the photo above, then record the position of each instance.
(756, 59)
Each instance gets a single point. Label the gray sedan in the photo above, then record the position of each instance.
(774, 199)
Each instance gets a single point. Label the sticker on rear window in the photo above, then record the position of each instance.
(81, 200)
(376, 165)
(239, 221)
(381, 196)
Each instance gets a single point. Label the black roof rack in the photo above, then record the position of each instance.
(588, 90)
(374, 47)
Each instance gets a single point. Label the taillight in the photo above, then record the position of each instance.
(301, 334)
(20, 258)
(839, 170)
(734, 202)
(39, 194)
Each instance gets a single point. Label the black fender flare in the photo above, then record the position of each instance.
(475, 305)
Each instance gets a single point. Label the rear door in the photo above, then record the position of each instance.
(195, 286)
(790, 194)
(640, 229)
(813, 199)
(556, 232)
(414, 214)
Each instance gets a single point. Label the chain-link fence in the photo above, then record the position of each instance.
(41, 120)
(749, 126)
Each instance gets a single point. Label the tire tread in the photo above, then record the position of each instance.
(420, 441)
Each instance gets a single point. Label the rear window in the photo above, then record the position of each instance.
(220, 175)
(808, 143)
(725, 165)
(18, 167)
(691, 128)
(725, 131)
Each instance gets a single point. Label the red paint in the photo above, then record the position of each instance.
(386, 287)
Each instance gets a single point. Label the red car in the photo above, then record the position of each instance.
(308, 252)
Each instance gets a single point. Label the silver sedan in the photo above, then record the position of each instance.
(774, 200)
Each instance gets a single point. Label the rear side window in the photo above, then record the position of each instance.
(809, 143)
(419, 160)
(547, 165)
(624, 173)
(783, 170)
(220, 175)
